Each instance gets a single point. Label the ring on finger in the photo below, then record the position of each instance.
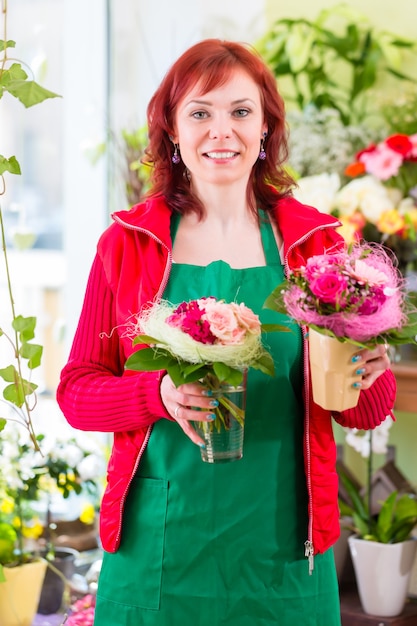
(177, 408)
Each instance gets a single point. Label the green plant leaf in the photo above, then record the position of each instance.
(385, 518)
(6, 44)
(148, 360)
(16, 393)
(33, 353)
(29, 92)
(272, 328)
(10, 165)
(3, 422)
(25, 326)
(223, 372)
(265, 364)
(9, 374)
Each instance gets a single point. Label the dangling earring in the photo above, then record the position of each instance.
(262, 153)
(176, 157)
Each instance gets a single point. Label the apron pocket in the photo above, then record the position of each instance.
(132, 575)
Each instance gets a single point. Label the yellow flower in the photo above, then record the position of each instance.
(7, 506)
(348, 230)
(390, 222)
(34, 531)
(87, 514)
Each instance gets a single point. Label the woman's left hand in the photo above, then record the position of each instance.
(371, 364)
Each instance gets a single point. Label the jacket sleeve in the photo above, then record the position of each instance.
(95, 392)
(375, 404)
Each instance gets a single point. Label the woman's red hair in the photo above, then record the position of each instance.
(211, 63)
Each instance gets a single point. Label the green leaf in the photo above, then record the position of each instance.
(10, 165)
(33, 353)
(175, 372)
(6, 44)
(224, 372)
(16, 393)
(149, 360)
(9, 374)
(385, 518)
(3, 422)
(13, 73)
(265, 364)
(29, 92)
(274, 300)
(25, 326)
(146, 339)
(271, 328)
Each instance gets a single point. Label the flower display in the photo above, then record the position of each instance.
(30, 480)
(355, 295)
(82, 612)
(393, 160)
(206, 339)
(367, 209)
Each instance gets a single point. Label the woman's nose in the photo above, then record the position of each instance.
(220, 128)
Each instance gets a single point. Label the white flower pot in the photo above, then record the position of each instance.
(382, 574)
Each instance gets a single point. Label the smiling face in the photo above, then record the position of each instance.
(219, 132)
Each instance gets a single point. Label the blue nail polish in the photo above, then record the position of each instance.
(357, 385)
(207, 392)
(360, 371)
(356, 358)
(214, 403)
(202, 445)
(211, 417)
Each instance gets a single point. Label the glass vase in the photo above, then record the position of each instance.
(223, 437)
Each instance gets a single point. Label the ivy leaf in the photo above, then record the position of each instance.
(16, 393)
(9, 374)
(29, 92)
(25, 326)
(6, 44)
(10, 165)
(33, 353)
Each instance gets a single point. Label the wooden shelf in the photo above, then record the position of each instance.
(406, 375)
(352, 614)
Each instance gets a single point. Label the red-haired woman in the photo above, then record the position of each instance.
(187, 542)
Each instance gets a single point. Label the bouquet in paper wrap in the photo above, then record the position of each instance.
(350, 299)
(356, 295)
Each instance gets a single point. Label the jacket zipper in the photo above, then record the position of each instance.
(308, 544)
(149, 430)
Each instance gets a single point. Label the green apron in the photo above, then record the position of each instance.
(217, 545)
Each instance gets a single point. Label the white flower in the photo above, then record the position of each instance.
(360, 440)
(70, 453)
(91, 467)
(366, 194)
(318, 191)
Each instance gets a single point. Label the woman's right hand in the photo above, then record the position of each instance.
(184, 404)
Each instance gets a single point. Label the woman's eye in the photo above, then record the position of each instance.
(241, 112)
(199, 115)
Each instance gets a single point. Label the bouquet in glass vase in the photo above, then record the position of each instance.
(350, 299)
(210, 341)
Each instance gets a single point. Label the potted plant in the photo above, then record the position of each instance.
(31, 484)
(334, 60)
(382, 545)
(18, 569)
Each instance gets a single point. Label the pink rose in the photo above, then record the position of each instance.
(247, 318)
(223, 323)
(329, 288)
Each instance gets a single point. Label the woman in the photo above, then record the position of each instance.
(189, 542)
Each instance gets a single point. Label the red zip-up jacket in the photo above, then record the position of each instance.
(96, 393)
